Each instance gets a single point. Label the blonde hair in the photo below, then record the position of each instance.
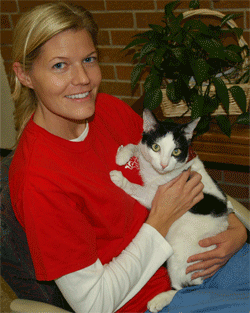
(32, 31)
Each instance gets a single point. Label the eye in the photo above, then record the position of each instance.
(156, 148)
(90, 60)
(176, 152)
(59, 66)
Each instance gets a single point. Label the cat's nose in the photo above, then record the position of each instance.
(164, 166)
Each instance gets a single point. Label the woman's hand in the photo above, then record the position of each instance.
(228, 243)
(174, 199)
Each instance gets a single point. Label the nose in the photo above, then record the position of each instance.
(80, 76)
(164, 166)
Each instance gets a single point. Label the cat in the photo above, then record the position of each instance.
(163, 153)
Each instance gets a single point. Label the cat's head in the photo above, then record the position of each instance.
(165, 145)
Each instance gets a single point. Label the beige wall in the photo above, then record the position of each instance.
(6, 113)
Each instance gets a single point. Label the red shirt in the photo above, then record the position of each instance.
(64, 199)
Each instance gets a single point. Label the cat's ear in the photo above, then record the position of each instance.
(190, 127)
(149, 121)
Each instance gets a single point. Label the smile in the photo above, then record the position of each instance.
(78, 96)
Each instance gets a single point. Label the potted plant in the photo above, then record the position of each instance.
(188, 63)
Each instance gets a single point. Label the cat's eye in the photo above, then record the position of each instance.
(156, 148)
(176, 152)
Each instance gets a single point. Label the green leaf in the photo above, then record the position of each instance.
(174, 91)
(175, 25)
(210, 105)
(156, 28)
(239, 96)
(197, 106)
(153, 80)
(149, 58)
(224, 124)
(136, 73)
(222, 92)
(149, 82)
(195, 25)
(169, 8)
(228, 17)
(234, 48)
(148, 34)
(236, 31)
(200, 69)
(232, 56)
(179, 53)
(136, 56)
(203, 125)
(148, 47)
(211, 46)
(153, 99)
(194, 4)
(158, 57)
(136, 42)
(243, 119)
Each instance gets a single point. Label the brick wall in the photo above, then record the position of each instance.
(233, 179)
(118, 21)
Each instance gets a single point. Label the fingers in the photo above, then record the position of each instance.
(193, 190)
(209, 272)
(197, 193)
(206, 268)
(183, 178)
(195, 179)
(204, 256)
(204, 265)
(207, 242)
(206, 273)
(174, 199)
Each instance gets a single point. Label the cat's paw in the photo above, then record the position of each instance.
(124, 154)
(117, 178)
(160, 301)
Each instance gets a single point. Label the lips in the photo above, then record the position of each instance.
(78, 96)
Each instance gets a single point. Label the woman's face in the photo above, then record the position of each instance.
(66, 77)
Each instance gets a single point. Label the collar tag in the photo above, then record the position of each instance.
(191, 154)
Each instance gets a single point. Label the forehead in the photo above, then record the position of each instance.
(68, 43)
(166, 142)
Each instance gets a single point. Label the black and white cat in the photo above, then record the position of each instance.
(163, 154)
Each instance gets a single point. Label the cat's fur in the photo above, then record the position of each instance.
(207, 218)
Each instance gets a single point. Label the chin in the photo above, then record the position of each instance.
(160, 170)
(86, 113)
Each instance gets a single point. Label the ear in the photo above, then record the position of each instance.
(22, 76)
(190, 127)
(149, 121)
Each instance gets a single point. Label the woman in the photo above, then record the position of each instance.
(101, 247)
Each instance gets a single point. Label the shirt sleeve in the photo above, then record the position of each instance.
(106, 288)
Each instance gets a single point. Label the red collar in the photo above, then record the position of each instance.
(191, 154)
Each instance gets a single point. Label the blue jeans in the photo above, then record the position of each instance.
(227, 291)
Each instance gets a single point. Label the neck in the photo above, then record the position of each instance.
(59, 126)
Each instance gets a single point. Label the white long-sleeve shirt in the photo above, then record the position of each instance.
(106, 288)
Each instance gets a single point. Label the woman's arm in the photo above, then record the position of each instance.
(228, 243)
(106, 288)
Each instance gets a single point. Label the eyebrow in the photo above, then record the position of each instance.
(65, 58)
